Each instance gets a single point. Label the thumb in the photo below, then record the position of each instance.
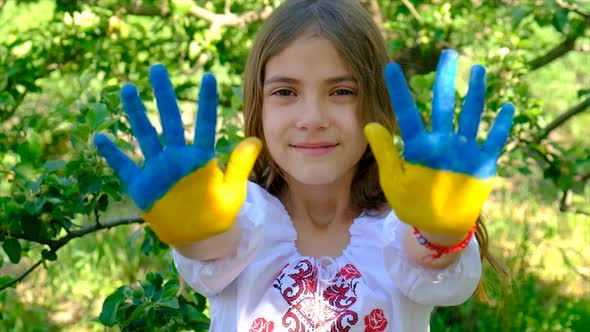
(242, 160)
(385, 152)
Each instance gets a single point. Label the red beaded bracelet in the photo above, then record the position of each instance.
(438, 250)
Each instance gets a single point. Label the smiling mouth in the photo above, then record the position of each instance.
(313, 149)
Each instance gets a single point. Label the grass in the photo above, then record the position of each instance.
(547, 255)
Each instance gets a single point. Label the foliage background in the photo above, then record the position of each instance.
(76, 257)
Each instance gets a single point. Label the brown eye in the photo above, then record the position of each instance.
(344, 92)
(283, 93)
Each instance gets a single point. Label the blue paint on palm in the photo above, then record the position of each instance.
(164, 165)
(442, 148)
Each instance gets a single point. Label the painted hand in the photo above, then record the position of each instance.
(181, 191)
(445, 177)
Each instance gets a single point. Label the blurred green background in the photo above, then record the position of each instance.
(94, 266)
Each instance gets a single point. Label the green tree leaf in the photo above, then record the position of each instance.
(5, 280)
(560, 20)
(31, 226)
(49, 255)
(170, 302)
(195, 316)
(13, 249)
(155, 278)
(54, 165)
(108, 315)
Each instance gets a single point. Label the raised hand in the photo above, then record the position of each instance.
(445, 177)
(181, 191)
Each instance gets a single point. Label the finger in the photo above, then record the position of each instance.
(242, 160)
(474, 103)
(384, 150)
(443, 100)
(141, 127)
(500, 131)
(119, 162)
(404, 107)
(167, 106)
(207, 114)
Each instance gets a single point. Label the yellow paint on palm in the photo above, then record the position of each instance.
(435, 201)
(206, 202)
(438, 202)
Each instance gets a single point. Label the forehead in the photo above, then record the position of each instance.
(310, 56)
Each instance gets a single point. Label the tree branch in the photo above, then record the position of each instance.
(22, 276)
(217, 20)
(55, 245)
(10, 112)
(139, 10)
(560, 50)
(95, 227)
(540, 154)
(230, 19)
(375, 10)
(572, 8)
(412, 10)
(581, 107)
(572, 266)
(565, 204)
(575, 211)
(62, 225)
(22, 236)
(227, 7)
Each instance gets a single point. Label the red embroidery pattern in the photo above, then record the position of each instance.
(349, 272)
(375, 321)
(309, 310)
(262, 325)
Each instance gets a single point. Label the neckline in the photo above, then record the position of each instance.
(289, 223)
(285, 219)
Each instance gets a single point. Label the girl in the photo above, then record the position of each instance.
(333, 232)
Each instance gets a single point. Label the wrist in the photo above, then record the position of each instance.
(443, 240)
(444, 244)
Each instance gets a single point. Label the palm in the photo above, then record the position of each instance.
(182, 192)
(164, 165)
(166, 169)
(449, 152)
(446, 176)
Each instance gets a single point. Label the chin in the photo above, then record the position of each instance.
(316, 177)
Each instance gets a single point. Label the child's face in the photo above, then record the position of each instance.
(309, 117)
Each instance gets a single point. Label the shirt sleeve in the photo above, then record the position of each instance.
(449, 286)
(211, 277)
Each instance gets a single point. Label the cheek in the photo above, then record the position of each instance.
(266, 124)
(357, 136)
(271, 131)
(353, 128)
(270, 118)
(268, 127)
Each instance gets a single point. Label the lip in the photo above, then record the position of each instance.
(314, 144)
(314, 149)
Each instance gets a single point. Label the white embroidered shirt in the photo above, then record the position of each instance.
(373, 287)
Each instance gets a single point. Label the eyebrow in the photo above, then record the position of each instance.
(290, 80)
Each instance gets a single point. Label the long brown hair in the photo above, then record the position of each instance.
(352, 31)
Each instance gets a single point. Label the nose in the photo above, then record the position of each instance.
(313, 115)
